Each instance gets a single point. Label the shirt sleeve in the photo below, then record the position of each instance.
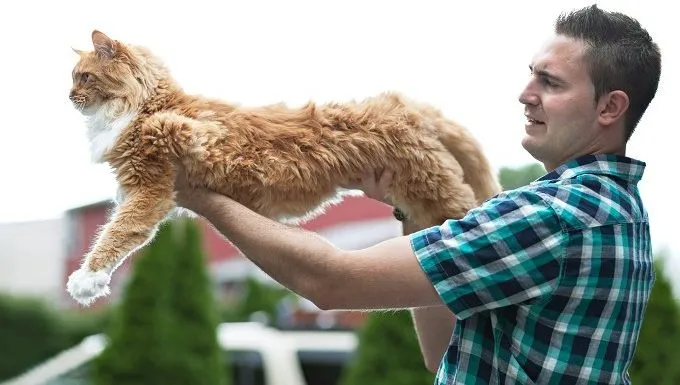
(506, 251)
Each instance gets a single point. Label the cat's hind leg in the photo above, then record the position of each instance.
(431, 195)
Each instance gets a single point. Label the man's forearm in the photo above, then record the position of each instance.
(310, 256)
(382, 276)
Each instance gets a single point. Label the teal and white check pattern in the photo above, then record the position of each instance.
(548, 282)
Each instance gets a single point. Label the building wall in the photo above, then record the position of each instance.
(32, 258)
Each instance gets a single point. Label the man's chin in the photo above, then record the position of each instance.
(534, 149)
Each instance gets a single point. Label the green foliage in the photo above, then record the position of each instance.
(29, 332)
(32, 331)
(192, 326)
(512, 178)
(388, 353)
(77, 324)
(164, 332)
(136, 352)
(258, 297)
(656, 359)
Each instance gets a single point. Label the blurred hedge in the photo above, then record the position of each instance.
(388, 353)
(31, 331)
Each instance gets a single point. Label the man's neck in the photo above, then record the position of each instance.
(620, 151)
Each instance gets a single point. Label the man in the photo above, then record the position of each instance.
(548, 283)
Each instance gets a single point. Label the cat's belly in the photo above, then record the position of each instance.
(298, 212)
(281, 192)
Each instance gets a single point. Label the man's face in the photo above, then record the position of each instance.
(559, 103)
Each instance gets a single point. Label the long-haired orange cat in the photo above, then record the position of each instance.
(284, 163)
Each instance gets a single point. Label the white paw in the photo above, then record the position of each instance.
(85, 286)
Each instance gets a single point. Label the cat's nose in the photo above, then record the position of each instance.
(71, 95)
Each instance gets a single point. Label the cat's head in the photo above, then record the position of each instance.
(114, 78)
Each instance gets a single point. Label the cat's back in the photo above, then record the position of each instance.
(192, 106)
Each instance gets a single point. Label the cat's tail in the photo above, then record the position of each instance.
(468, 152)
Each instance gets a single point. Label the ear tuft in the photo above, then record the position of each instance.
(104, 46)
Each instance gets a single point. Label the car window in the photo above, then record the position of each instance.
(323, 367)
(245, 366)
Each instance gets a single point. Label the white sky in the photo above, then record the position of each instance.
(467, 58)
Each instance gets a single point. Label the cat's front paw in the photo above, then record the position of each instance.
(85, 286)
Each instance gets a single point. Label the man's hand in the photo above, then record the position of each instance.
(196, 199)
(374, 184)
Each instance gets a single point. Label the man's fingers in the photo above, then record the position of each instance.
(368, 177)
(352, 184)
(374, 183)
(385, 180)
(368, 183)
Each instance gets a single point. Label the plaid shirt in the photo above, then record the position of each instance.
(548, 282)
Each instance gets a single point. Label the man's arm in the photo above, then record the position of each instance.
(384, 276)
(434, 324)
(434, 327)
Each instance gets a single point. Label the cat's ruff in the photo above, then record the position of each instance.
(103, 131)
(285, 163)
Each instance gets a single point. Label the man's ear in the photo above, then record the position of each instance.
(612, 107)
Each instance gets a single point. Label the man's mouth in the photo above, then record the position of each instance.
(531, 120)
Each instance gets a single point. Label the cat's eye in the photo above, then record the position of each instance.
(85, 77)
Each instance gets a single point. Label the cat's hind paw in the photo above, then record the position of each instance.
(85, 286)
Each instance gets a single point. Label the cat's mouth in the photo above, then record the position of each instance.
(79, 103)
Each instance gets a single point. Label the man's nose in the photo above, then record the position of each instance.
(529, 96)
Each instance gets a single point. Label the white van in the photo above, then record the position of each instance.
(257, 355)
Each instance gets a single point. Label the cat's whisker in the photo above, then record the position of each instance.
(79, 105)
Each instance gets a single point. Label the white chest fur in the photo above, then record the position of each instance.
(103, 131)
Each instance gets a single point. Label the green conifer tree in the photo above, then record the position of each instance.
(136, 352)
(388, 353)
(192, 327)
(656, 358)
(165, 329)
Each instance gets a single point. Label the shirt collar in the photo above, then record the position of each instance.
(619, 166)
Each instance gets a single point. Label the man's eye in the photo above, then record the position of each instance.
(548, 82)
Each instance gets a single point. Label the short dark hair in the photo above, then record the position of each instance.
(620, 55)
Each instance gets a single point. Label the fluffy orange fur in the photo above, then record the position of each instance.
(285, 163)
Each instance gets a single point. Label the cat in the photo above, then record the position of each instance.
(285, 163)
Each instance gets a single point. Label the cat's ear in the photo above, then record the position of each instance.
(79, 52)
(104, 46)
